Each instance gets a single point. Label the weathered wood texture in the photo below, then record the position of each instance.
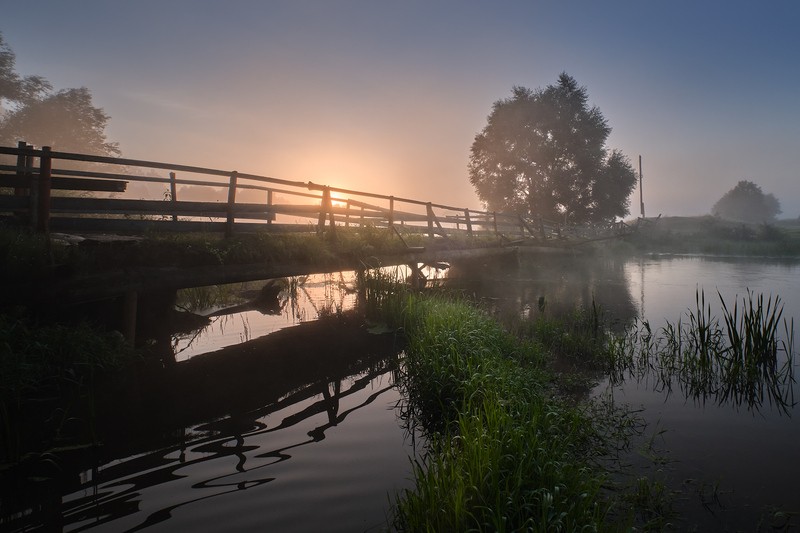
(287, 205)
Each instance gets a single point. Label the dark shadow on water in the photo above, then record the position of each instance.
(161, 422)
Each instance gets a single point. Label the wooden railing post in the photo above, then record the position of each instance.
(270, 213)
(25, 175)
(469, 222)
(331, 215)
(322, 213)
(45, 175)
(231, 203)
(347, 216)
(429, 207)
(22, 164)
(391, 212)
(494, 221)
(326, 210)
(173, 195)
(541, 229)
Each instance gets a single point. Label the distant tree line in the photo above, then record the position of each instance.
(746, 202)
(65, 120)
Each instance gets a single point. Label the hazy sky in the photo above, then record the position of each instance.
(387, 96)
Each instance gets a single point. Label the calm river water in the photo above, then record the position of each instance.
(730, 467)
(272, 420)
(279, 418)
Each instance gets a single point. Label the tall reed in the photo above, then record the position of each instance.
(504, 454)
(746, 359)
(48, 369)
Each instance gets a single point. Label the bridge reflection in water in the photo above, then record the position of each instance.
(296, 430)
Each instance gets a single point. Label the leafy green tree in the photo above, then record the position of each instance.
(746, 202)
(543, 153)
(65, 120)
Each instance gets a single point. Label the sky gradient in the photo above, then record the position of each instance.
(388, 96)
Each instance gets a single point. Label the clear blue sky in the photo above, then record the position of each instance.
(388, 95)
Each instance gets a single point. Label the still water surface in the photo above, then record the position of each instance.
(729, 466)
(734, 465)
(278, 420)
(310, 438)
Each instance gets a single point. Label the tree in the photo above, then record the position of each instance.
(747, 203)
(65, 120)
(13, 88)
(543, 153)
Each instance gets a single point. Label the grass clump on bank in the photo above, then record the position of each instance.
(47, 373)
(504, 453)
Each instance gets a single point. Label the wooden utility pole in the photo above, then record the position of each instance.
(641, 195)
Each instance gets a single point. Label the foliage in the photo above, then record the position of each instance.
(746, 202)
(46, 370)
(65, 120)
(504, 454)
(543, 153)
(742, 360)
(712, 235)
(13, 88)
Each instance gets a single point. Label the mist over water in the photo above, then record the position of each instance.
(729, 464)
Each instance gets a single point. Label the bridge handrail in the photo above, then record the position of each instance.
(329, 206)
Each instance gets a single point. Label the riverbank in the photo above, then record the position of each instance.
(712, 236)
(696, 437)
(508, 450)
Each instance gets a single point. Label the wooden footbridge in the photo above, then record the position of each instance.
(33, 181)
(78, 195)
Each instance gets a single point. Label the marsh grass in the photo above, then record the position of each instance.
(25, 255)
(197, 299)
(504, 453)
(581, 336)
(746, 358)
(712, 235)
(48, 370)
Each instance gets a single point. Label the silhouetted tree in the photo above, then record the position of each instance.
(65, 120)
(13, 88)
(543, 153)
(747, 203)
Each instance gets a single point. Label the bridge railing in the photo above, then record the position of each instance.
(32, 182)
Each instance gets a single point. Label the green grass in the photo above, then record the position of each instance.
(29, 256)
(505, 454)
(713, 236)
(746, 358)
(45, 371)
